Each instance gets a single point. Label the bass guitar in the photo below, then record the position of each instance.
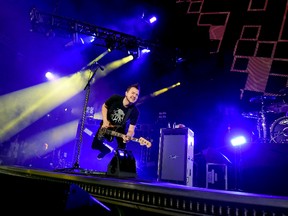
(103, 132)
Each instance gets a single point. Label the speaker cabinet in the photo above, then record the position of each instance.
(175, 159)
(123, 164)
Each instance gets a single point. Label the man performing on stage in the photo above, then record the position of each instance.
(119, 119)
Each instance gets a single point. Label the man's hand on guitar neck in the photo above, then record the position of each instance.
(126, 138)
(129, 135)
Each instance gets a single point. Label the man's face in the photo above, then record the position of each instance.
(132, 94)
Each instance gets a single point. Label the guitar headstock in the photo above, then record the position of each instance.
(145, 142)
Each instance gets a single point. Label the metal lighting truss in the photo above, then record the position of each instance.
(54, 25)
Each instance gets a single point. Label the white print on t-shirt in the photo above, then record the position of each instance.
(117, 116)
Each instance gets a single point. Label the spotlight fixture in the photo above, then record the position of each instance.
(239, 140)
(133, 49)
(148, 17)
(152, 19)
(135, 52)
(110, 43)
(51, 76)
(77, 40)
(144, 50)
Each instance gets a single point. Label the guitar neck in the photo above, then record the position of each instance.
(142, 141)
(114, 133)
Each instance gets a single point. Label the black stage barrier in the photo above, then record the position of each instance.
(36, 197)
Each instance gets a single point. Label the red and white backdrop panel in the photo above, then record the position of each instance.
(256, 33)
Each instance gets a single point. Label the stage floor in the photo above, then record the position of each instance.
(141, 196)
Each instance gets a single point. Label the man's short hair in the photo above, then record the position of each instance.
(135, 85)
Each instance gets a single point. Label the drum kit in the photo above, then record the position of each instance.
(272, 119)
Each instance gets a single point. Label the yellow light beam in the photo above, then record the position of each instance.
(52, 139)
(99, 57)
(21, 108)
(157, 93)
(161, 91)
(109, 68)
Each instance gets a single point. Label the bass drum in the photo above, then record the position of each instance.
(279, 130)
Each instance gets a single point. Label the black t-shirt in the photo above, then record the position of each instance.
(116, 111)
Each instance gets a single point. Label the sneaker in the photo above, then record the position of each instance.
(103, 153)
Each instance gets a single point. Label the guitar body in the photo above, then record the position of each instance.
(103, 133)
(109, 138)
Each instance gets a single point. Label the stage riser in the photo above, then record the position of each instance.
(154, 198)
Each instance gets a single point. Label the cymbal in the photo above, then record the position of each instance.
(262, 98)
